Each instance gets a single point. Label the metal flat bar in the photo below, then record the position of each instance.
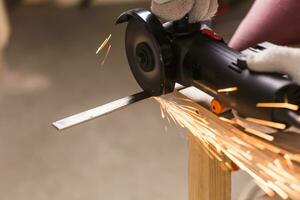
(100, 111)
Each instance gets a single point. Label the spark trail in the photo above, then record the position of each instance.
(276, 171)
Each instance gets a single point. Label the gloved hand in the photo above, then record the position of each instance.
(172, 10)
(285, 60)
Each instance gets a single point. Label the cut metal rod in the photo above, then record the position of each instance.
(100, 111)
(103, 110)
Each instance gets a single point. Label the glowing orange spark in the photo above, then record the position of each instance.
(260, 134)
(106, 55)
(103, 44)
(206, 87)
(289, 161)
(267, 123)
(226, 120)
(278, 105)
(226, 90)
(266, 189)
(278, 190)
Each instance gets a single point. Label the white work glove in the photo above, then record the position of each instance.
(285, 60)
(172, 10)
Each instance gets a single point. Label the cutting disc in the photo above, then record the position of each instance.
(149, 57)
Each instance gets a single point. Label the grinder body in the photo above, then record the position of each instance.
(161, 55)
(210, 65)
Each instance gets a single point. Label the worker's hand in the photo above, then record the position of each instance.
(172, 10)
(285, 60)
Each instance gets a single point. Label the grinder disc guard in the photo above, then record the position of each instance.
(148, 52)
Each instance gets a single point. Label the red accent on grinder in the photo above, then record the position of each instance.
(211, 33)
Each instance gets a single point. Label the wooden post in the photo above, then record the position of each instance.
(207, 180)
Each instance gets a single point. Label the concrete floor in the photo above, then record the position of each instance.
(53, 72)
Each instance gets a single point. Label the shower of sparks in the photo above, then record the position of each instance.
(227, 90)
(103, 44)
(272, 168)
(278, 105)
(106, 55)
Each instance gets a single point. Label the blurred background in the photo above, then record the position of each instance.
(49, 70)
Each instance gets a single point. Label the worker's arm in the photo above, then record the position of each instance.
(172, 10)
(275, 21)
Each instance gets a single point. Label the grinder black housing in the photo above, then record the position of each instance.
(160, 55)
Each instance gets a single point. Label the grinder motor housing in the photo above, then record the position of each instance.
(161, 55)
